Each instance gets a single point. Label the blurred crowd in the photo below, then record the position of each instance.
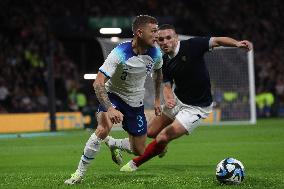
(24, 54)
(25, 41)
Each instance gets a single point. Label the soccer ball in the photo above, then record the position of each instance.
(230, 171)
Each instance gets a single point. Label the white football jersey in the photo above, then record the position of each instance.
(127, 72)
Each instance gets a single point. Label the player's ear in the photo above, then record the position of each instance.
(176, 35)
(139, 33)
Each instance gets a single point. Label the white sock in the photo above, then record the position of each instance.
(90, 151)
(122, 144)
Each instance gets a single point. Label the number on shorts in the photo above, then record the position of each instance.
(140, 121)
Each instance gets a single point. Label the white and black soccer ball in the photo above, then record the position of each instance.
(230, 171)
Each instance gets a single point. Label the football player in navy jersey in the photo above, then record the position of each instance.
(190, 101)
(119, 87)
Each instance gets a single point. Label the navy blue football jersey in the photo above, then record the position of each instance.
(187, 70)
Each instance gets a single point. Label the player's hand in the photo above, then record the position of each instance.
(244, 44)
(114, 115)
(157, 107)
(170, 102)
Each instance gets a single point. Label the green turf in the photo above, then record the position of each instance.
(45, 162)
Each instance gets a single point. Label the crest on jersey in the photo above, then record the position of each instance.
(149, 67)
(183, 58)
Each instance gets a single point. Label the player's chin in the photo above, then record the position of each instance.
(165, 50)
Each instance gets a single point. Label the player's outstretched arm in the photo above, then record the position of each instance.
(157, 79)
(101, 93)
(230, 42)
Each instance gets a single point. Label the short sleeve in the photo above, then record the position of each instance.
(109, 66)
(158, 62)
(156, 55)
(200, 44)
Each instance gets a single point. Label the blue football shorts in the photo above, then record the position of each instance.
(134, 120)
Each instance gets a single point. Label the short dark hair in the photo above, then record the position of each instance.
(142, 20)
(167, 27)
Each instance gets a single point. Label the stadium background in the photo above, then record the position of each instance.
(29, 29)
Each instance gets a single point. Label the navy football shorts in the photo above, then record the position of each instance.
(134, 120)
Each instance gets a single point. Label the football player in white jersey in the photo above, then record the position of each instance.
(119, 87)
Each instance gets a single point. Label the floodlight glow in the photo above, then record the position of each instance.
(110, 30)
(90, 76)
(114, 39)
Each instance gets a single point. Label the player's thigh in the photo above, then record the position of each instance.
(138, 143)
(157, 124)
(189, 119)
(185, 122)
(104, 125)
(173, 131)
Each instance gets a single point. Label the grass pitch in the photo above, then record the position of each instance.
(45, 162)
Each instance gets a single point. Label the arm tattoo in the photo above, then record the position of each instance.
(102, 96)
(157, 78)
